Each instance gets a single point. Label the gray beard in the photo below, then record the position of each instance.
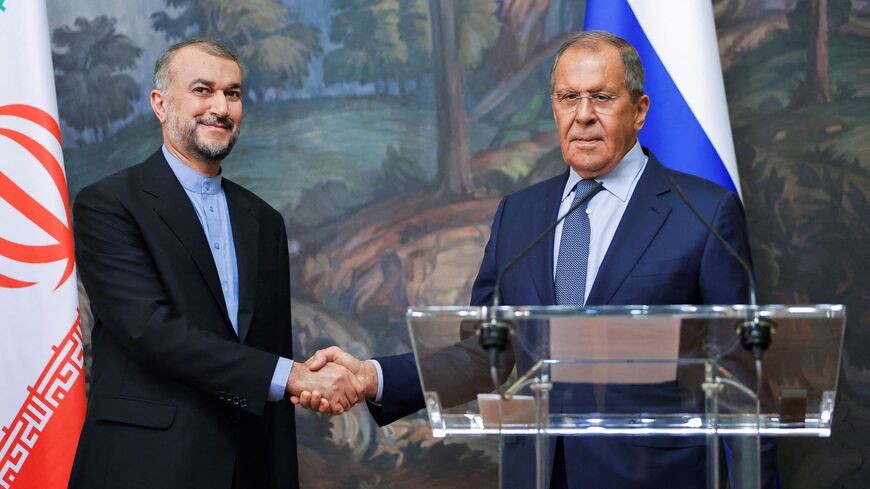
(186, 135)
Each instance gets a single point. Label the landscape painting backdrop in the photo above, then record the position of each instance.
(385, 131)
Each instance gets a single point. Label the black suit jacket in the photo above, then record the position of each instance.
(177, 400)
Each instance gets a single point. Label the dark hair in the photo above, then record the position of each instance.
(164, 62)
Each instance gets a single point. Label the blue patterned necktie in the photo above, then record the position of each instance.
(574, 251)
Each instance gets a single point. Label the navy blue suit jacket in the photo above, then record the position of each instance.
(660, 254)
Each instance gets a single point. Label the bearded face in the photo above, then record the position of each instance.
(201, 108)
(197, 137)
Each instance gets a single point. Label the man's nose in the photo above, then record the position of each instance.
(585, 113)
(219, 105)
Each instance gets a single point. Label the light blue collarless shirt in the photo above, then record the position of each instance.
(605, 209)
(209, 200)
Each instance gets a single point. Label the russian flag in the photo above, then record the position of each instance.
(687, 126)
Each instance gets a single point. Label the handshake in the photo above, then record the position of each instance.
(332, 381)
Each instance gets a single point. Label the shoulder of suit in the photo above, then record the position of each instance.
(541, 188)
(255, 201)
(118, 183)
(697, 187)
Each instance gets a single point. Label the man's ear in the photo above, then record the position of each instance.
(640, 115)
(158, 105)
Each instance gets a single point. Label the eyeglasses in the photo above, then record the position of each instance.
(602, 103)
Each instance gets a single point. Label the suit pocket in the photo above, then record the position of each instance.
(674, 266)
(138, 412)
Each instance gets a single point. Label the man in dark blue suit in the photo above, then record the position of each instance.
(635, 242)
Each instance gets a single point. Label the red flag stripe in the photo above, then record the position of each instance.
(31, 253)
(35, 115)
(11, 283)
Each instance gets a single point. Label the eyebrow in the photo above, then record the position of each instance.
(211, 84)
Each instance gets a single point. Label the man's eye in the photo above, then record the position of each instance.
(570, 97)
(200, 90)
(234, 94)
(600, 97)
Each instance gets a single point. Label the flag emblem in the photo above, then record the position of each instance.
(30, 208)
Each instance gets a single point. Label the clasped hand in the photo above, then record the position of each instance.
(332, 381)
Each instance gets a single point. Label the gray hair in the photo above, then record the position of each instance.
(631, 65)
(161, 67)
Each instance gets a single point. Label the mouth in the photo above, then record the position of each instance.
(585, 141)
(216, 124)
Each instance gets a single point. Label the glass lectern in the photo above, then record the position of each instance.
(640, 371)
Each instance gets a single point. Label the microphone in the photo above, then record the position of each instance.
(495, 334)
(756, 333)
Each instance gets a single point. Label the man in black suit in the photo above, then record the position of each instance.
(188, 278)
(635, 242)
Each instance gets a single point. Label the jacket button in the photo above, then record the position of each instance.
(243, 404)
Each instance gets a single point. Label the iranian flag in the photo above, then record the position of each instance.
(42, 391)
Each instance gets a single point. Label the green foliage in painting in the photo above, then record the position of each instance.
(274, 49)
(799, 18)
(371, 48)
(478, 27)
(89, 60)
(391, 40)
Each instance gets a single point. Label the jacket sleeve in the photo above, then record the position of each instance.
(456, 373)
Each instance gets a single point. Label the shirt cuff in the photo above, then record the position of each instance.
(380, 381)
(279, 379)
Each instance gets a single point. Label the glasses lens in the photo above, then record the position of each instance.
(602, 103)
(568, 102)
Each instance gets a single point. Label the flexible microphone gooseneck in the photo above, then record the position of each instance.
(495, 334)
(756, 333)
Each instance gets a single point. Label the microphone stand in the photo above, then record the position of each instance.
(756, 333)
(495, 333)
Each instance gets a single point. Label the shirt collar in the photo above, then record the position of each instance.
(189, 178)
(617, 181)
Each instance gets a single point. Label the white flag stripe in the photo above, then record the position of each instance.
(683, 35)
(26, 55)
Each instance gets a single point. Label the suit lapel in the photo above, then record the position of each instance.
(542, 214)
(246, 229)
(174, 208)
(643, 217)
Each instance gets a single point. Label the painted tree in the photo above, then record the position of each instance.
(371, 49)
(454, 168)
(90, 58)
(275, 49)
(394, 40)
(461, 33)
(383, 41)
(531, 33)
(815, 20)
